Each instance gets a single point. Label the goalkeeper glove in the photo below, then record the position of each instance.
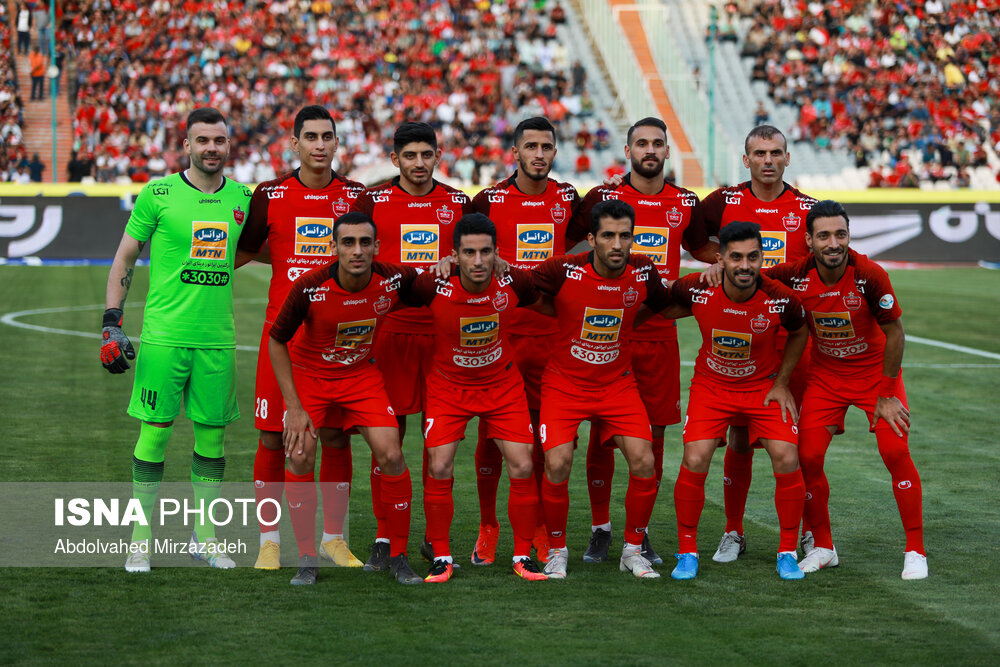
(115, 345)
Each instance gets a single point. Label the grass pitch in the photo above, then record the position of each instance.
(64, 420)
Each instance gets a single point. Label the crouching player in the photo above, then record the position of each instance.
(738, 374)
(473, 374)
(336, 386)
(857, 353)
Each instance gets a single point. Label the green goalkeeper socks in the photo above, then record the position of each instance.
(147, 473)
(207, 467)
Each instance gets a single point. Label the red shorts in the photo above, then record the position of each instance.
(828, 397)
(796, 384)
(656, 365)
(614, 409)
(501, 407)
(531, 354)
(356, 400)
(405, 360)
(711, 409)
(269, 405)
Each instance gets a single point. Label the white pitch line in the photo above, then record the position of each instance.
(952, 347)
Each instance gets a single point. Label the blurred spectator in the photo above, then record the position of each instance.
(36, 169)
(23, 28)
(760, 116)
(37, 63)
(582, 163)
(41, 19)
(78, 168)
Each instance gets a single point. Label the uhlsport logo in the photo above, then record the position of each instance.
(479, 331)
(351, 335)
(733, 345)
(601, 325)
(419, 244)
(535, 242)
(312, 236)
(774, 247)
(209, 240)
(651, 242)
(833, 326)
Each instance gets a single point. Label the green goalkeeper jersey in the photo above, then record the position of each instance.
(192, 247)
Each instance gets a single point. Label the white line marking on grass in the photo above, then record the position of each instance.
(953, 347)
(12, 319)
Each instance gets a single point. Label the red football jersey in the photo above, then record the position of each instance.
(530, 230)
(413, 231)
(470, 330)
(339, 327)
(664, 223)
(596, 314)
(844, 318)
(297, 223)
(739, 340)
(782, 221)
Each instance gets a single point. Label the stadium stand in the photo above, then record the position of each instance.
(12, 151)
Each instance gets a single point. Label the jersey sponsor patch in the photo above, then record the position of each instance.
(775, 247)
(479, 331)
(886, 302)
(733, 345)
(833, 326)
(651, 242)
(312, 236)
(535, 242)
(209, 240)
(419, 243)
(354, 334)
(601, 325)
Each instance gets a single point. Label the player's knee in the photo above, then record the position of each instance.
(391, 462)
(784, 459)
(696, 459)
(302, 462)
(520, 467)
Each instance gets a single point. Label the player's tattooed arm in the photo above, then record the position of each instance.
(122, 271)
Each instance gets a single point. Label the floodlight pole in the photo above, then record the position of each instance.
(54, 174)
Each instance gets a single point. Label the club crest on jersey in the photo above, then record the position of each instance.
(651, 242)
(630, 297)
(759, 324)
(733, 345)
(833, 326)
(419, 244)
(239, 216)
(773, 244)
(601, 325)
(341, 207)
(558, 213)
(535, 242)
(500, 300)
(382, 305)
(209, 240)
(791, 222)
(351, 335)
(852, 301)
(312, 236)
(674, 217)
(479, 331)
(445, 215)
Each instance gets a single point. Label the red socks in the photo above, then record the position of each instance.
(789, 497)
(522, 510)
(813, 443)
(737, 473)
(382, 529)
(555, 504)
(397, 494)
(302, 501)
(489, 463)
(335, 471)
(639, 501)
(439, 510)
(689, 500)
(905, 486)
(600, 473)
(269, 484)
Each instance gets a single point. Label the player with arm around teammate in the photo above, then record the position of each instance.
(857, 339)
(740, 375)
(329, 381)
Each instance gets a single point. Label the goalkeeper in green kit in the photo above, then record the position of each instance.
(192, 221)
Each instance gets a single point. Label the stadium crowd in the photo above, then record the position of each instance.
(470, 68)
(910, 88)
(13, 157)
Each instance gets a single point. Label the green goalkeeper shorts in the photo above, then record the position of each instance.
(206, 379)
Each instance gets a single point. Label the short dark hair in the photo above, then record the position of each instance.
(311, 112)
(207, 115)
(354, 218)
(474, 223)
(411, 132)
(540, 123)
(739, 231)
(610, 208)
(826, 208)
(648, 121)
(763, 132)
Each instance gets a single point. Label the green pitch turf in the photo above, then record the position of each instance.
(64, 420)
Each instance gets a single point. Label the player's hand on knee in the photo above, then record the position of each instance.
(298, 427)
(895, 414)
(115, 345)
(783, 395)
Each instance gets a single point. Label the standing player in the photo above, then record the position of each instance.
(667, 218)
(192, 221)
(780, 210)
(532, 214)
(294, 215)
(596, 296)
(329, 376)
(473, 375)
(858, 339)
(740, 374)
(415, 213)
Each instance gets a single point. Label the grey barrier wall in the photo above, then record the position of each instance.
(89, 228)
